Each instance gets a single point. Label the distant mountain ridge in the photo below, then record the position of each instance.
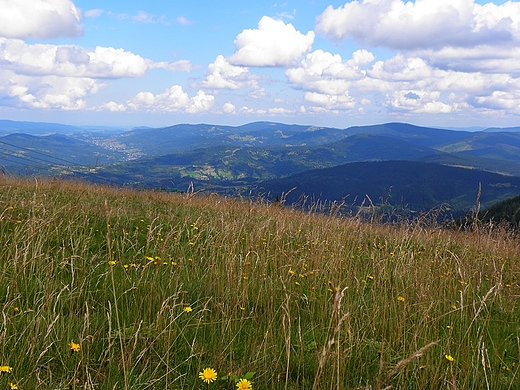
(240, 159)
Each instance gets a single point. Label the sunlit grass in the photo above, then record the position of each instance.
(105, 288)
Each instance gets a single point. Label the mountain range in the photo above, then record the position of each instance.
(408, 167)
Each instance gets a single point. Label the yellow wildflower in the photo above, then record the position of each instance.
(6, 369)
(244, 384)
(187, 309)
(111, 262)
(12, 386)
(208, 375)
(449, 358)
(74, 347)
(400, 298)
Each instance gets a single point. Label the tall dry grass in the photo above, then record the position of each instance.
(155, 287)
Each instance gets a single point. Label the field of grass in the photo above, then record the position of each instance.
(106, 288)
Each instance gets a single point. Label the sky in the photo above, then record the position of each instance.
(442, 63)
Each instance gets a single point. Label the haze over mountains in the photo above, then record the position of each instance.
(405, 166)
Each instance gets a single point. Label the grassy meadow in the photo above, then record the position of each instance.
(106, 288)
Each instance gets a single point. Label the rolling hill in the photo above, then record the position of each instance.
(413, 186)
(435, 165)
(23, 153)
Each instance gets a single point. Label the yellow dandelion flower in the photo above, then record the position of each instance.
(12, 386)
(187, 309)
(6, 369)
(16, 310)
(244, 384)
(74, 347)
(111, 262)
(149, 258)
(449, 358)
(400, 298)
(208, 375)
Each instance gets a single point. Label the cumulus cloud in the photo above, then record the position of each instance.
(75, 61)
(412, 25)
(340, 101)
(280, 111)
(173, 99)
(222, 75)
(401, 83)
(420, 101)
(499, 100)
(228, 108)
(52, 76)
(327, 73)
(480, 58)
(39, 19)
(274, 43)
(113, 107)
(46, 92)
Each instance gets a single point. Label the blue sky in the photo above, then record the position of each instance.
(451, 63)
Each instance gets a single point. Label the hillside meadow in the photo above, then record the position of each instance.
(110, 288)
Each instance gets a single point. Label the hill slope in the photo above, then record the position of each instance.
(109, 288)
(413, 185)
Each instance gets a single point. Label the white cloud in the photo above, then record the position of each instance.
(143, 17)
(280, 111)
(51, 76)
(325, 73)
(274, 43)
(115, 63)
(420, 101)
(422, 24)
(405, 84)
(173, 99)
(39, 19)
(113, 107)
(480, 58)
(175, 66)
(340, 101)
(201, 102)
(46, 92)
(228, 108)
(94, 13)
(184, 21)
(222, 75)
(499, 100)
(75, 61)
